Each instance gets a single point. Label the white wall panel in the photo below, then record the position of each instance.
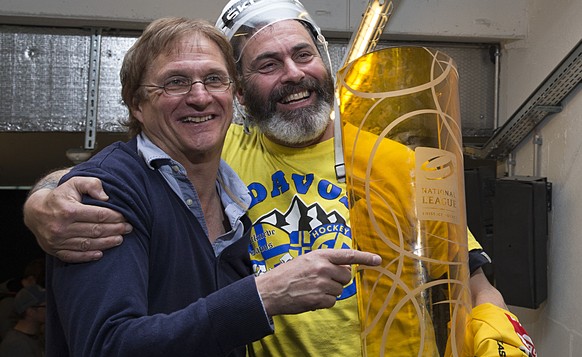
(454, 19)
(331, 15)
(463, 19)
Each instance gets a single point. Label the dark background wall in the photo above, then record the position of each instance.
(17, 244)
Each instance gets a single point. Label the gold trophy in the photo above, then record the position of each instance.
(401, 137)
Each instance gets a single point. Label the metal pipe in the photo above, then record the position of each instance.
(510, 164)
(496, 56)
(537, 142)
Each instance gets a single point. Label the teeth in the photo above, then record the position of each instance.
(295, 96)
(197, 119)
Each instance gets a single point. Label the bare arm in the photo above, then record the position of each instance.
(483, 292)
(493, 328)
(67, 229)
(311, 281)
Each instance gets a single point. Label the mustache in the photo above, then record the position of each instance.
(308, 84)
(259, 109)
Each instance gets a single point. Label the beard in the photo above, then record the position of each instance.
(296, 127)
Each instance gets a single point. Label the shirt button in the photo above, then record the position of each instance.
(189, 202)
(175, 168)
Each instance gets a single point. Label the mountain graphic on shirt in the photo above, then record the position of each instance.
(301, 218)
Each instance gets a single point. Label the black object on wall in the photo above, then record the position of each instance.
(520, 240)
(480, 177)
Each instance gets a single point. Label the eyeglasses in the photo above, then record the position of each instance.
(183, 85)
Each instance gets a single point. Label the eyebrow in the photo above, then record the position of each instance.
(207, 71)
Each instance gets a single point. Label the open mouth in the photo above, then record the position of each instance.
(197, 119)
(295, 97)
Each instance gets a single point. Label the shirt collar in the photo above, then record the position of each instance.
(150, 152)
(228, 180)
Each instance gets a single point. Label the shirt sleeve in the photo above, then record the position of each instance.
(477, 259)
(477, 256)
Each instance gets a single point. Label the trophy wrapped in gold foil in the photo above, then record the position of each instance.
(402, 146)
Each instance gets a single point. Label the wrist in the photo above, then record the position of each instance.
(49, 182)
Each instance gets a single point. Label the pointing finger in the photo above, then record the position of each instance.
(351, 256)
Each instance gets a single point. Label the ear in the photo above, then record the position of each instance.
(137, 110)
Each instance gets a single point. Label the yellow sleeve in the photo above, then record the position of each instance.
(473, 244)
(497, 332)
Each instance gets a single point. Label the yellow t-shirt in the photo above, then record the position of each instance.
(298, 206)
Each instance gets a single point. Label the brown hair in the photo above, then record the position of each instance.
(158, 37)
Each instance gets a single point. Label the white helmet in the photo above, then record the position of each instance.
(242, 19)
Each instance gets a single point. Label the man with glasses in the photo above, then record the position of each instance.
(287, 164)
(182, 284)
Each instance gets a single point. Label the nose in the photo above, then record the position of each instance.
(199, 96)
(292, 72)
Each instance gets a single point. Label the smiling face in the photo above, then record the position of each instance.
(192, 126)
(287, 89)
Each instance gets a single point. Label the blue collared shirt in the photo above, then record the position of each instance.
(232, 191)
